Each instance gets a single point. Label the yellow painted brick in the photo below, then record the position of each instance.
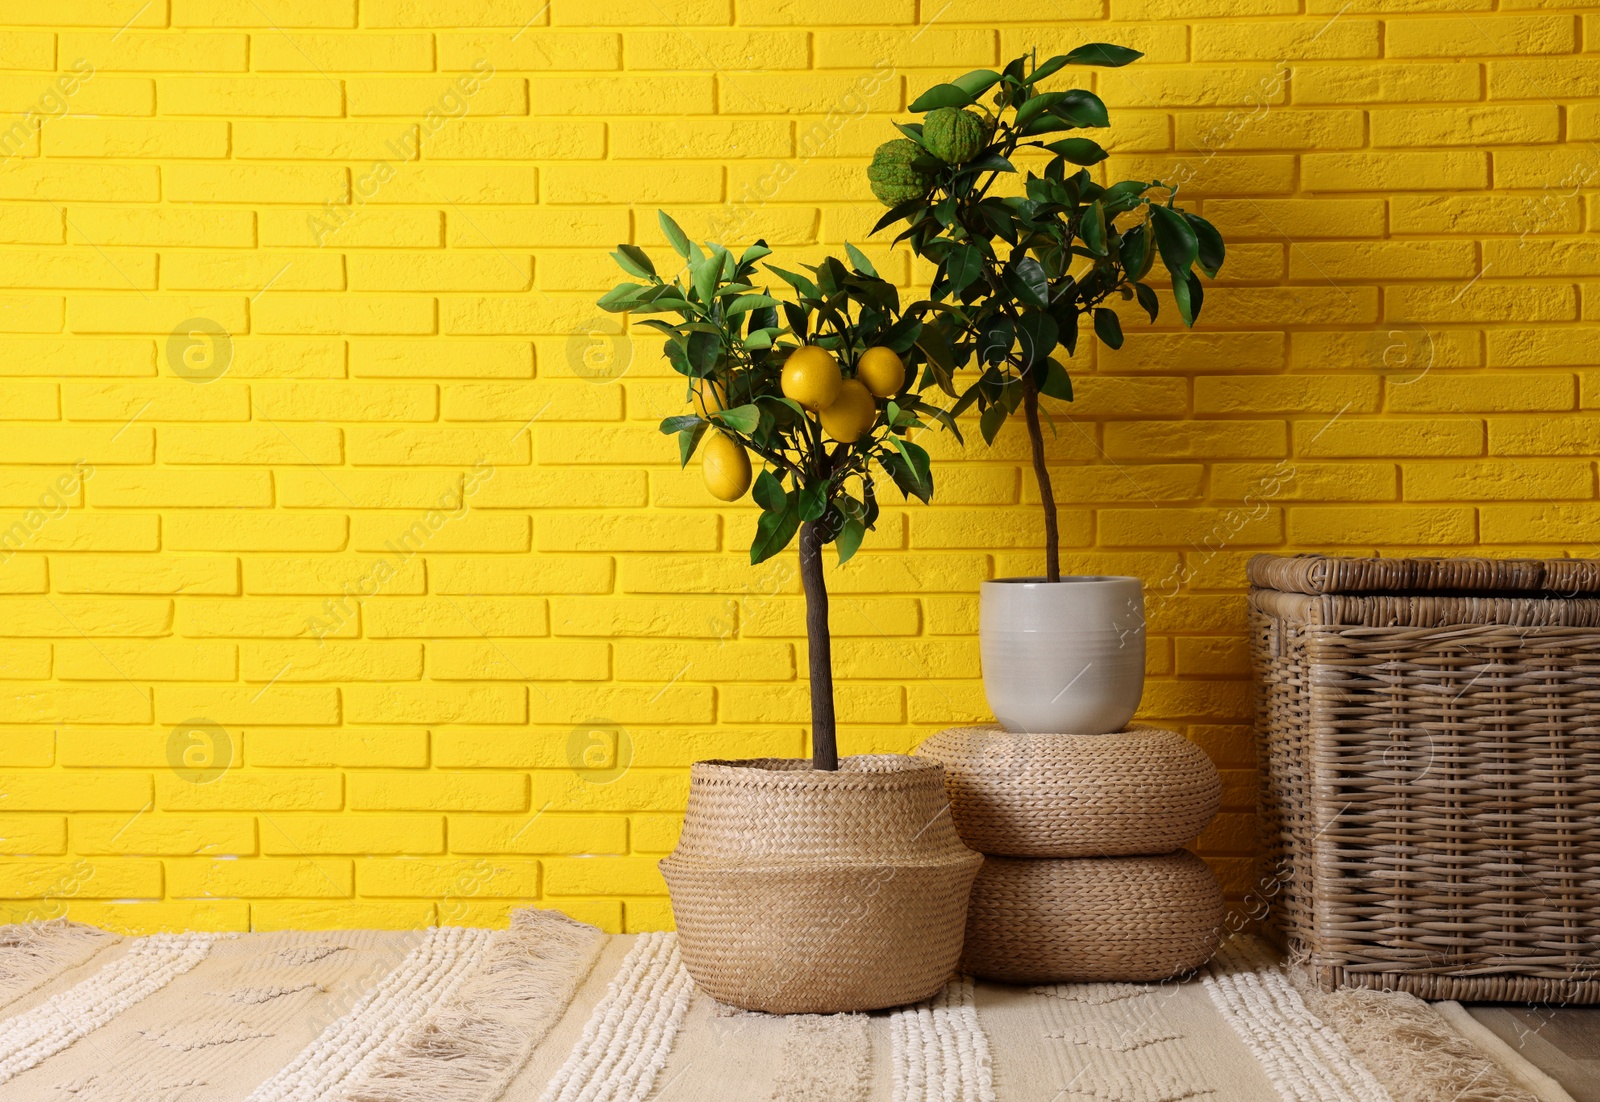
(676, 574)
(257, 183)
(355, 835)
(976, 529)
(246, 532)
(310, 748)
(543, 488)
(158, 488)
(33, 835)
(307, 400)
(161, 835)
(35, 531)
(1353, 439)
(1369, 527)
(1297, 480)
(1377, 83)
(636, 617)
(1529, 78)
(510, 139)
(416, 229)
(552, 834)
(1560, 167)
(1404, 350)
(1528, 257)
(25, 356)
(76, 268)
(436, 703)
(1196, 439)
(28, 50)
(1344, 260)
(80, 616)
(518, 660)
(1498, 479)
(291, 359)
(1391, 171)
(514, 227)
(724, 660)
(654, 833)
(442, 359)
(1454, 393)
(267, 14)
(577, 532)
(293, 445)
(158, 314)
(541, 574)
(323, 661)
(1285, 41)
(437, 446)
(1559, 523)
(399, 271)
(159, 226)
(1511, 34)
(413, 97)
(461, 184)
(609, 875)
(34, 401)
(325, 574)
(255, 272)
(112, 747)
(356, 315)
(104, 183)
(643, 183)
(80, 879)
(1212, 656)
(1258, 525)
(847, 615)
(433, 791)
(1475, 126)
(252, 790)
(1472, 214)
(455, 617)
(1286, 394)
(1206, 131)
(449, 880)
(251, 96)
(1483, 301)
(1119, 482)
(264, 619)
(87, 137)
(147, 660)
(516, 50)
(23, 748)
(439, 531)
(31, 313)
(24, 574)
(678, 703)
(349, 53)
(278, 704)
(260, 877)
(1573, 435)
(50, 790)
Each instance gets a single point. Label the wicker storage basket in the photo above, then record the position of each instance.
(1075, 920)
(1138, 791)
(1430, 742)
(799, 891)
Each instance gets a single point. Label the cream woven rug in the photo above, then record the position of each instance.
(553, 1011)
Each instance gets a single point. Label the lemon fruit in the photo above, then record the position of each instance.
(852, 414)
(811, 377)
(709, 397)
(882, 371)
(725, 467)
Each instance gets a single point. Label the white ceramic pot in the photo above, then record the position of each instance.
(1062, 657)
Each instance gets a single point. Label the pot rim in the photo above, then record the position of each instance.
(855, 770)
(1070, 579)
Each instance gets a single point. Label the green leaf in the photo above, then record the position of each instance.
(1092, 228)
(962, 267)
(859, 259)
(634, 261)
(620, 298)
(704, 351)
(1082, 108)
(1183, 283)
(1026, 280)
(743, 418)
(758, 251)
(1176, 239)
(688, 440)
(1147, 299)
(1135, 253)
(1211, 251)
(1036, 106)
(910, 470)
(768, 492)
(995, 340)
(977, 82)
(912, 130)
(678, 239)
(705, 274)
(748, 302)
(1102, 53)
(1108, 327)
(848, 541)
(991, 420)
(1057, 383)
(813, 502)
(796, 280)
(1078, 151)
(1038, 334)
(775, 529)
(943, 95)
(671, 425)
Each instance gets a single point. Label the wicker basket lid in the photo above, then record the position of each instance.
(1334, 574)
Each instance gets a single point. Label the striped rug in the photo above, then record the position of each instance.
(554, 1011)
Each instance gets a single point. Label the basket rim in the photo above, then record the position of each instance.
(855, 771)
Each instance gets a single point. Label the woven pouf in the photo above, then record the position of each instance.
(1139, 791)
(1092, 918)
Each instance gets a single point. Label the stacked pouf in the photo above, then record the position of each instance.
(1084, 875)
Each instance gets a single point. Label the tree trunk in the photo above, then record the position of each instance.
(824, 741)
(1052, 537)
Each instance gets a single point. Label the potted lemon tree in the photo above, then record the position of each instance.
(831, 884)
(1020, 262)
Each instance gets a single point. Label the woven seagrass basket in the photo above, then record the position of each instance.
(798, 891)
(1083, 919)
(1429, 737)
(1142, 790)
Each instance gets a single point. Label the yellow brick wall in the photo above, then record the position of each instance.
(297, 339)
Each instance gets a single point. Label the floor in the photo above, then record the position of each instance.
(1564, 1043)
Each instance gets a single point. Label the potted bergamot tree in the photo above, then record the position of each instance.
(831, 884)
(1020, 261)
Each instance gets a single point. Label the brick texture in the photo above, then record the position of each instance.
(347, 578)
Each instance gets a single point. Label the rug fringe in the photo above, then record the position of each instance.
(1408, 1045)
(32, 953)
(469, 1049)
